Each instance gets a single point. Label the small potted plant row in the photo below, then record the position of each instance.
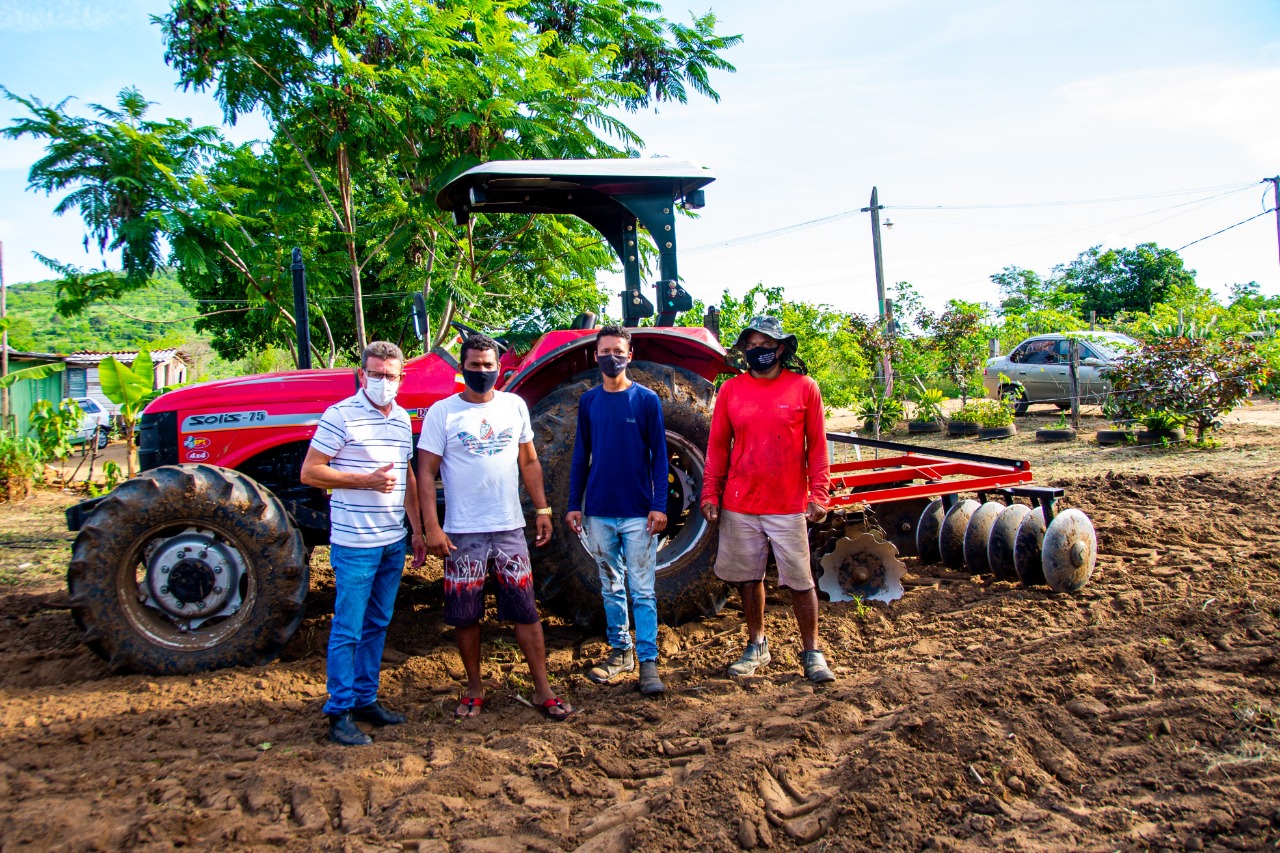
(985, 418)
(890, 410)
(928, 412)
(1161, 428)
(1060, 430)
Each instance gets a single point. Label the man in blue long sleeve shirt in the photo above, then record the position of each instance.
(619, 483)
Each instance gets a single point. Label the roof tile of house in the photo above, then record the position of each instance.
(159, 356)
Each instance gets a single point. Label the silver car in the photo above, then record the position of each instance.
(1037, 369)
(95, 422)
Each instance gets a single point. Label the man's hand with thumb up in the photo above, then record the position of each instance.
(381, 480)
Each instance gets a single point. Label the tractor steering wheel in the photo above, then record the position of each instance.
(468, 330)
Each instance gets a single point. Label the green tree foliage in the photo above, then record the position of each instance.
(825, 339)
(958, 338)
(157, 316)
(116, 170)
(1190, 380)
(373, 107)
(1115, 281)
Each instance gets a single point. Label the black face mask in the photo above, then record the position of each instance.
(480, 381)
(761, 359)
(612, 365)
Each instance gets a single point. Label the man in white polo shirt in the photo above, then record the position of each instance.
(361, 451)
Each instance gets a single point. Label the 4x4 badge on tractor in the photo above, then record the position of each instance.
(197, 455)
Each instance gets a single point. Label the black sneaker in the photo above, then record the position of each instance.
(343, 731)
(377, 714)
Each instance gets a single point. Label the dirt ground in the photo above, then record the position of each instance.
(1140, 713)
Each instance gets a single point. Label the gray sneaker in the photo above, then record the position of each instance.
(816, 669)
(619, 660)
(650, 683)
(756, 656)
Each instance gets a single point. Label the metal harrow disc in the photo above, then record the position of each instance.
(1000, 541)
(951, 536)
(977, 534)
(863, 565)
(1026, 548)
(927, 529)
(899, 520)
(1069, 550)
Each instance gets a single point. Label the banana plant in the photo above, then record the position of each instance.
(129, 386)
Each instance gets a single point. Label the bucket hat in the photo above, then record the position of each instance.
(772, 327)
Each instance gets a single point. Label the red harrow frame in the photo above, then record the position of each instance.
(912, 499)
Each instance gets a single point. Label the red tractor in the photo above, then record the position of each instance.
(201, 561)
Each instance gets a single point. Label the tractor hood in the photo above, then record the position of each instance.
(322, 387)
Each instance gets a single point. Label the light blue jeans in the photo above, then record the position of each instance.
(367, 580)
(627, 556)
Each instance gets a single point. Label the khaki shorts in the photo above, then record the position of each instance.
(744, 548)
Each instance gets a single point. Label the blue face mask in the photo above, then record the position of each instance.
(612, 365)
(761, 359)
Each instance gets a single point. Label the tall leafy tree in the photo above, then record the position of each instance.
(1115, 281)
(116, 169)
(373, 107)
(384, 102)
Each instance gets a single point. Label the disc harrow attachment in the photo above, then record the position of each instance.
(855, 549)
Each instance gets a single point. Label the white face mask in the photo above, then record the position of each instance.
(381, 391)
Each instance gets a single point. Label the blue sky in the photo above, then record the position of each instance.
(971, 107)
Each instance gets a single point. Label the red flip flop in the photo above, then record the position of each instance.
(473, 704)
(554, 702)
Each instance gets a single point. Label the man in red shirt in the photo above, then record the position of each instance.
(766, 475)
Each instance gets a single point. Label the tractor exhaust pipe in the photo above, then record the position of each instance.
(300, 311)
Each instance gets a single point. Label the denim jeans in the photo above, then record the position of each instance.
(367, 580)
(627, 556)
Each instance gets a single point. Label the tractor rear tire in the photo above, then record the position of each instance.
(177, 515)
(565, 573)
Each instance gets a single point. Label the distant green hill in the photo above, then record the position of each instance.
(37, 327)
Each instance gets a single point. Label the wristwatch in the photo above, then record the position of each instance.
(543, 510)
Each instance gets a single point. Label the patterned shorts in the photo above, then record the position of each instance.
(505, 556)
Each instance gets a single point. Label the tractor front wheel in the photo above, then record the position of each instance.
(567, 577)
(187, 568)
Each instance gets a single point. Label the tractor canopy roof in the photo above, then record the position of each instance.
(546, 186)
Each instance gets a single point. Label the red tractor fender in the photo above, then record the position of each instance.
(559, 356)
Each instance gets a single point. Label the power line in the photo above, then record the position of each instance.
(1111, 200)
(1221, 191)
(1224, 230)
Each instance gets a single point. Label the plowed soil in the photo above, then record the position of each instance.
(1141, 713)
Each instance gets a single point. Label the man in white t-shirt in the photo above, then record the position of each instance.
(480, 442)
(361, 451)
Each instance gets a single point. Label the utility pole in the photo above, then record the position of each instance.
(1275, 205)
(4, 346)
(875, 209)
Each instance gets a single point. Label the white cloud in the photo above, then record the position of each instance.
(23, 16)
(1215, 101)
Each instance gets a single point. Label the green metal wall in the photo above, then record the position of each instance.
(23, 396)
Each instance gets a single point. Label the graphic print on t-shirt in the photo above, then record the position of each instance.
(488, 442)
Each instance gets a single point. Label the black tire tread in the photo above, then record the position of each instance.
(271, 544)
(564, 575)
